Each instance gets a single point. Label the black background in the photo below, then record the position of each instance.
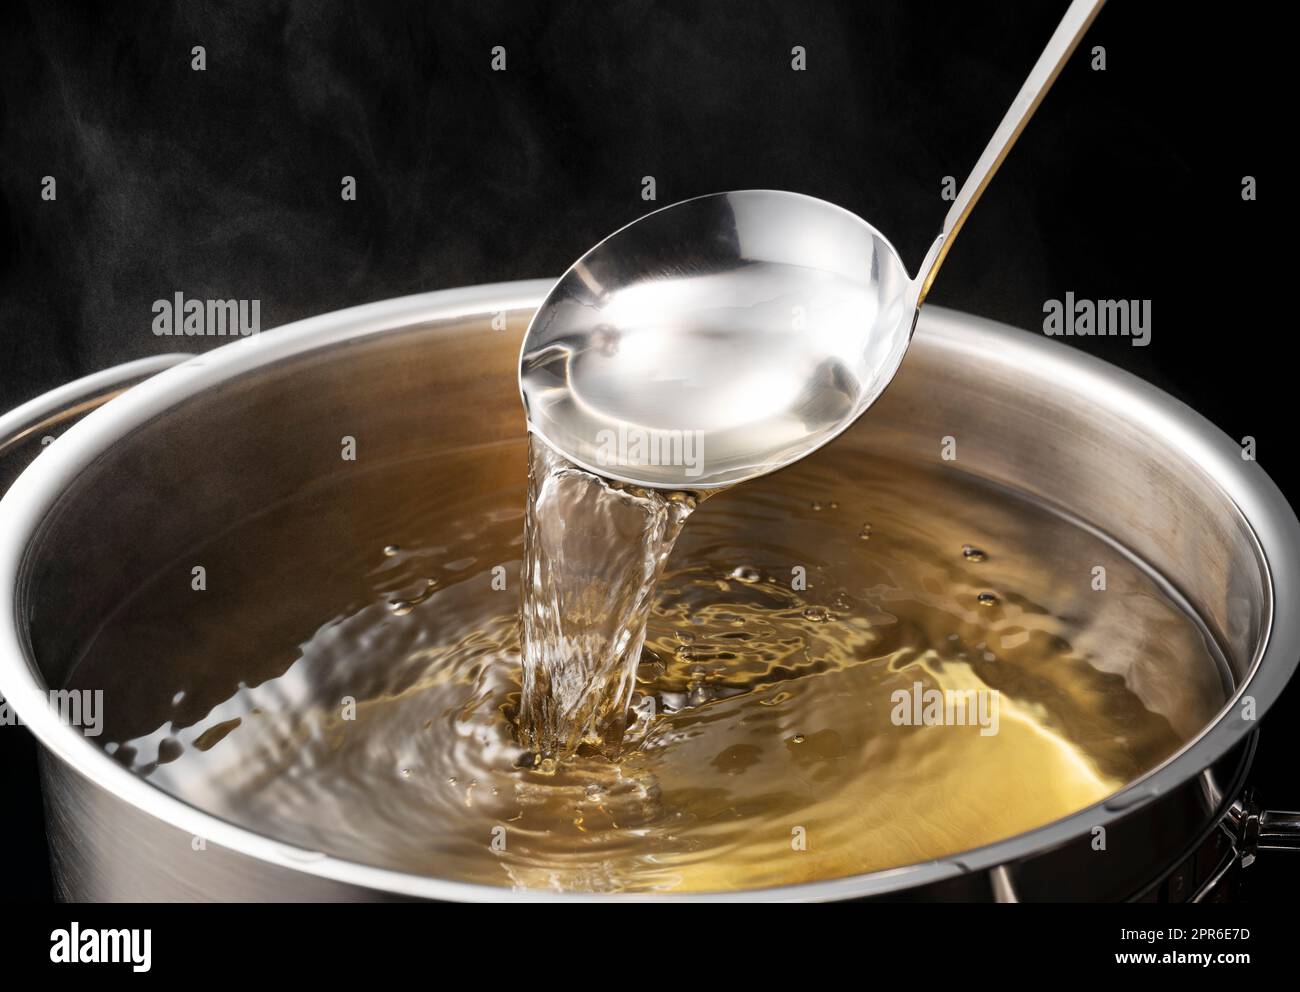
(225, 183)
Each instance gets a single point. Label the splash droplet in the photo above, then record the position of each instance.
(699, 695)
(401, 607)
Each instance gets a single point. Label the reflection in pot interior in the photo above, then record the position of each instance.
(855, 664)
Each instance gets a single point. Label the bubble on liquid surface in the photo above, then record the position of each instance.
(972, 553)
(401, 607)
(987, 599)
(747, 574)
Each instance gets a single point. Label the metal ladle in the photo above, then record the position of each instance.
(726, 336)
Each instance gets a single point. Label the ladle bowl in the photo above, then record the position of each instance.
(716, 340)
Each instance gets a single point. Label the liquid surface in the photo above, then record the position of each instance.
(350, 677)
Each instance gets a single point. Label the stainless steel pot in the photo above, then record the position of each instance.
(214, 438)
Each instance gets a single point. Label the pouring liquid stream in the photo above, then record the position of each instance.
(593, 554)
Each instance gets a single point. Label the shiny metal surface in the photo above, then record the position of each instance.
(723, 337)
(1078, 18)
(27, 429)
(224, 435)
(1257, 829)
(716, 340)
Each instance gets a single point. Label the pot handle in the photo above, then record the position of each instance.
(1263, 829)
(27, 429)
(1250, 830)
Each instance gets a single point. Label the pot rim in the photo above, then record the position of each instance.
(1275, 530)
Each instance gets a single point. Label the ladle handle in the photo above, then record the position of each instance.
(1046, 69)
